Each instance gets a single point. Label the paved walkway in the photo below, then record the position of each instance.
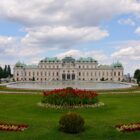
(24, 92)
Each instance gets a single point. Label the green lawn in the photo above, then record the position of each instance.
(43, 123)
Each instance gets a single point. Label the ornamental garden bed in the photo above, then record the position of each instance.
(128, 127)
(69, 97)
(12, 127)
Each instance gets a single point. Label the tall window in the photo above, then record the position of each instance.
(17, 74)
(118, 73)
(83, 73)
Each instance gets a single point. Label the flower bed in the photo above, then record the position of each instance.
(128, 127)
(13, 127)
(70, 97)
(46, 105)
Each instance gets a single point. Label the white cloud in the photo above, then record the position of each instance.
(12, 47)
(137, 31)
(62, 23)
(127, 21)
(62, 36)
(98, 55)
(129, 53)
(55, 24)
(4, 40)
(63, 12)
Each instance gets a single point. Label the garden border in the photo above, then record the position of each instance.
(99, 104)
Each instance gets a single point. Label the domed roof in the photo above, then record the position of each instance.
(117, 65)
(19, 64)
(68, 59)
(48, 59)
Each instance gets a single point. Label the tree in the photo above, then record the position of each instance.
(5, 72)
(1, 72)
(137, 75)
(9, 71)
(102, 79)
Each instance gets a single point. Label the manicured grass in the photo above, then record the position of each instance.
(43, 123)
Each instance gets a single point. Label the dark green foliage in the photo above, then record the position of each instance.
(9, 71)
(137, 75)
(1, 73)
(43, 122)
(71, 123)
(6, 72)
(68, 99)
(69, 88)
(102, 79)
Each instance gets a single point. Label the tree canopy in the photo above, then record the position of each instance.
(137, 75)
(5, 72)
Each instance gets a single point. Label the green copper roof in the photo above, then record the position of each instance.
(48, 59)
(88, 59)
(105, 66)
(117, 65)
(68, 59)
(22, 65)
(19, 64)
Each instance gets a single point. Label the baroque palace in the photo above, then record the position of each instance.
(68, 68)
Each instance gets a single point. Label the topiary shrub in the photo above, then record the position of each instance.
(71, 123)
(69, 88)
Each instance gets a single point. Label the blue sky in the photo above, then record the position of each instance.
(108, 31)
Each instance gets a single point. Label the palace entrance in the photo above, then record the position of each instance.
(68, 76)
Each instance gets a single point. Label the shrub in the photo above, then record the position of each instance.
(69, 97)
(69, 88)
(71, 123)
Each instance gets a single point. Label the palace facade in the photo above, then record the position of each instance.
(68, 68)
